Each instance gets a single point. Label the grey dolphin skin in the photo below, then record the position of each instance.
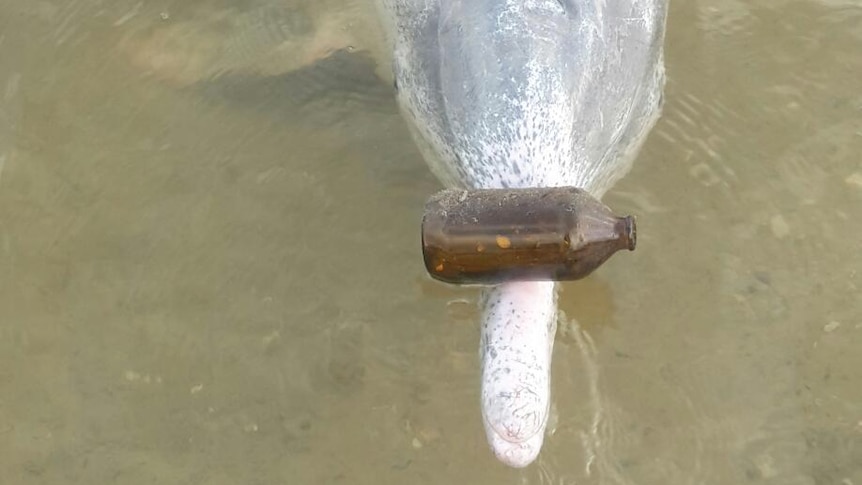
(525, 93)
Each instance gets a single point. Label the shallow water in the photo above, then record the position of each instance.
(210, 270)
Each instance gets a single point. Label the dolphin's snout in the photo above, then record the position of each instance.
(518, 326)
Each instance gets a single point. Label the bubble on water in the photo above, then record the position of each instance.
(854, 180)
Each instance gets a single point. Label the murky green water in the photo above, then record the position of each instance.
(210, 268)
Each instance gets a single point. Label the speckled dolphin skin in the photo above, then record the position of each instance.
(526, 93)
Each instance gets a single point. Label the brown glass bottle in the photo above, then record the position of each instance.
(491, 236)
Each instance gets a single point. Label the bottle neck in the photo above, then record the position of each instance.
(626, 228)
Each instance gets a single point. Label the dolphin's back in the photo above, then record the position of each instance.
(529, 92)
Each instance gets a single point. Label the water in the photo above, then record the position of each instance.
(210, 268)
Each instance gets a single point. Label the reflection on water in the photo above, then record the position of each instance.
(210, 271)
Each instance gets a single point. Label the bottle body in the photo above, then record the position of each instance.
(490, 236)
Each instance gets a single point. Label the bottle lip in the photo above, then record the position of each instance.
(631, 232)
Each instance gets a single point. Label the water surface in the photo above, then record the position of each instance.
(210, 268)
